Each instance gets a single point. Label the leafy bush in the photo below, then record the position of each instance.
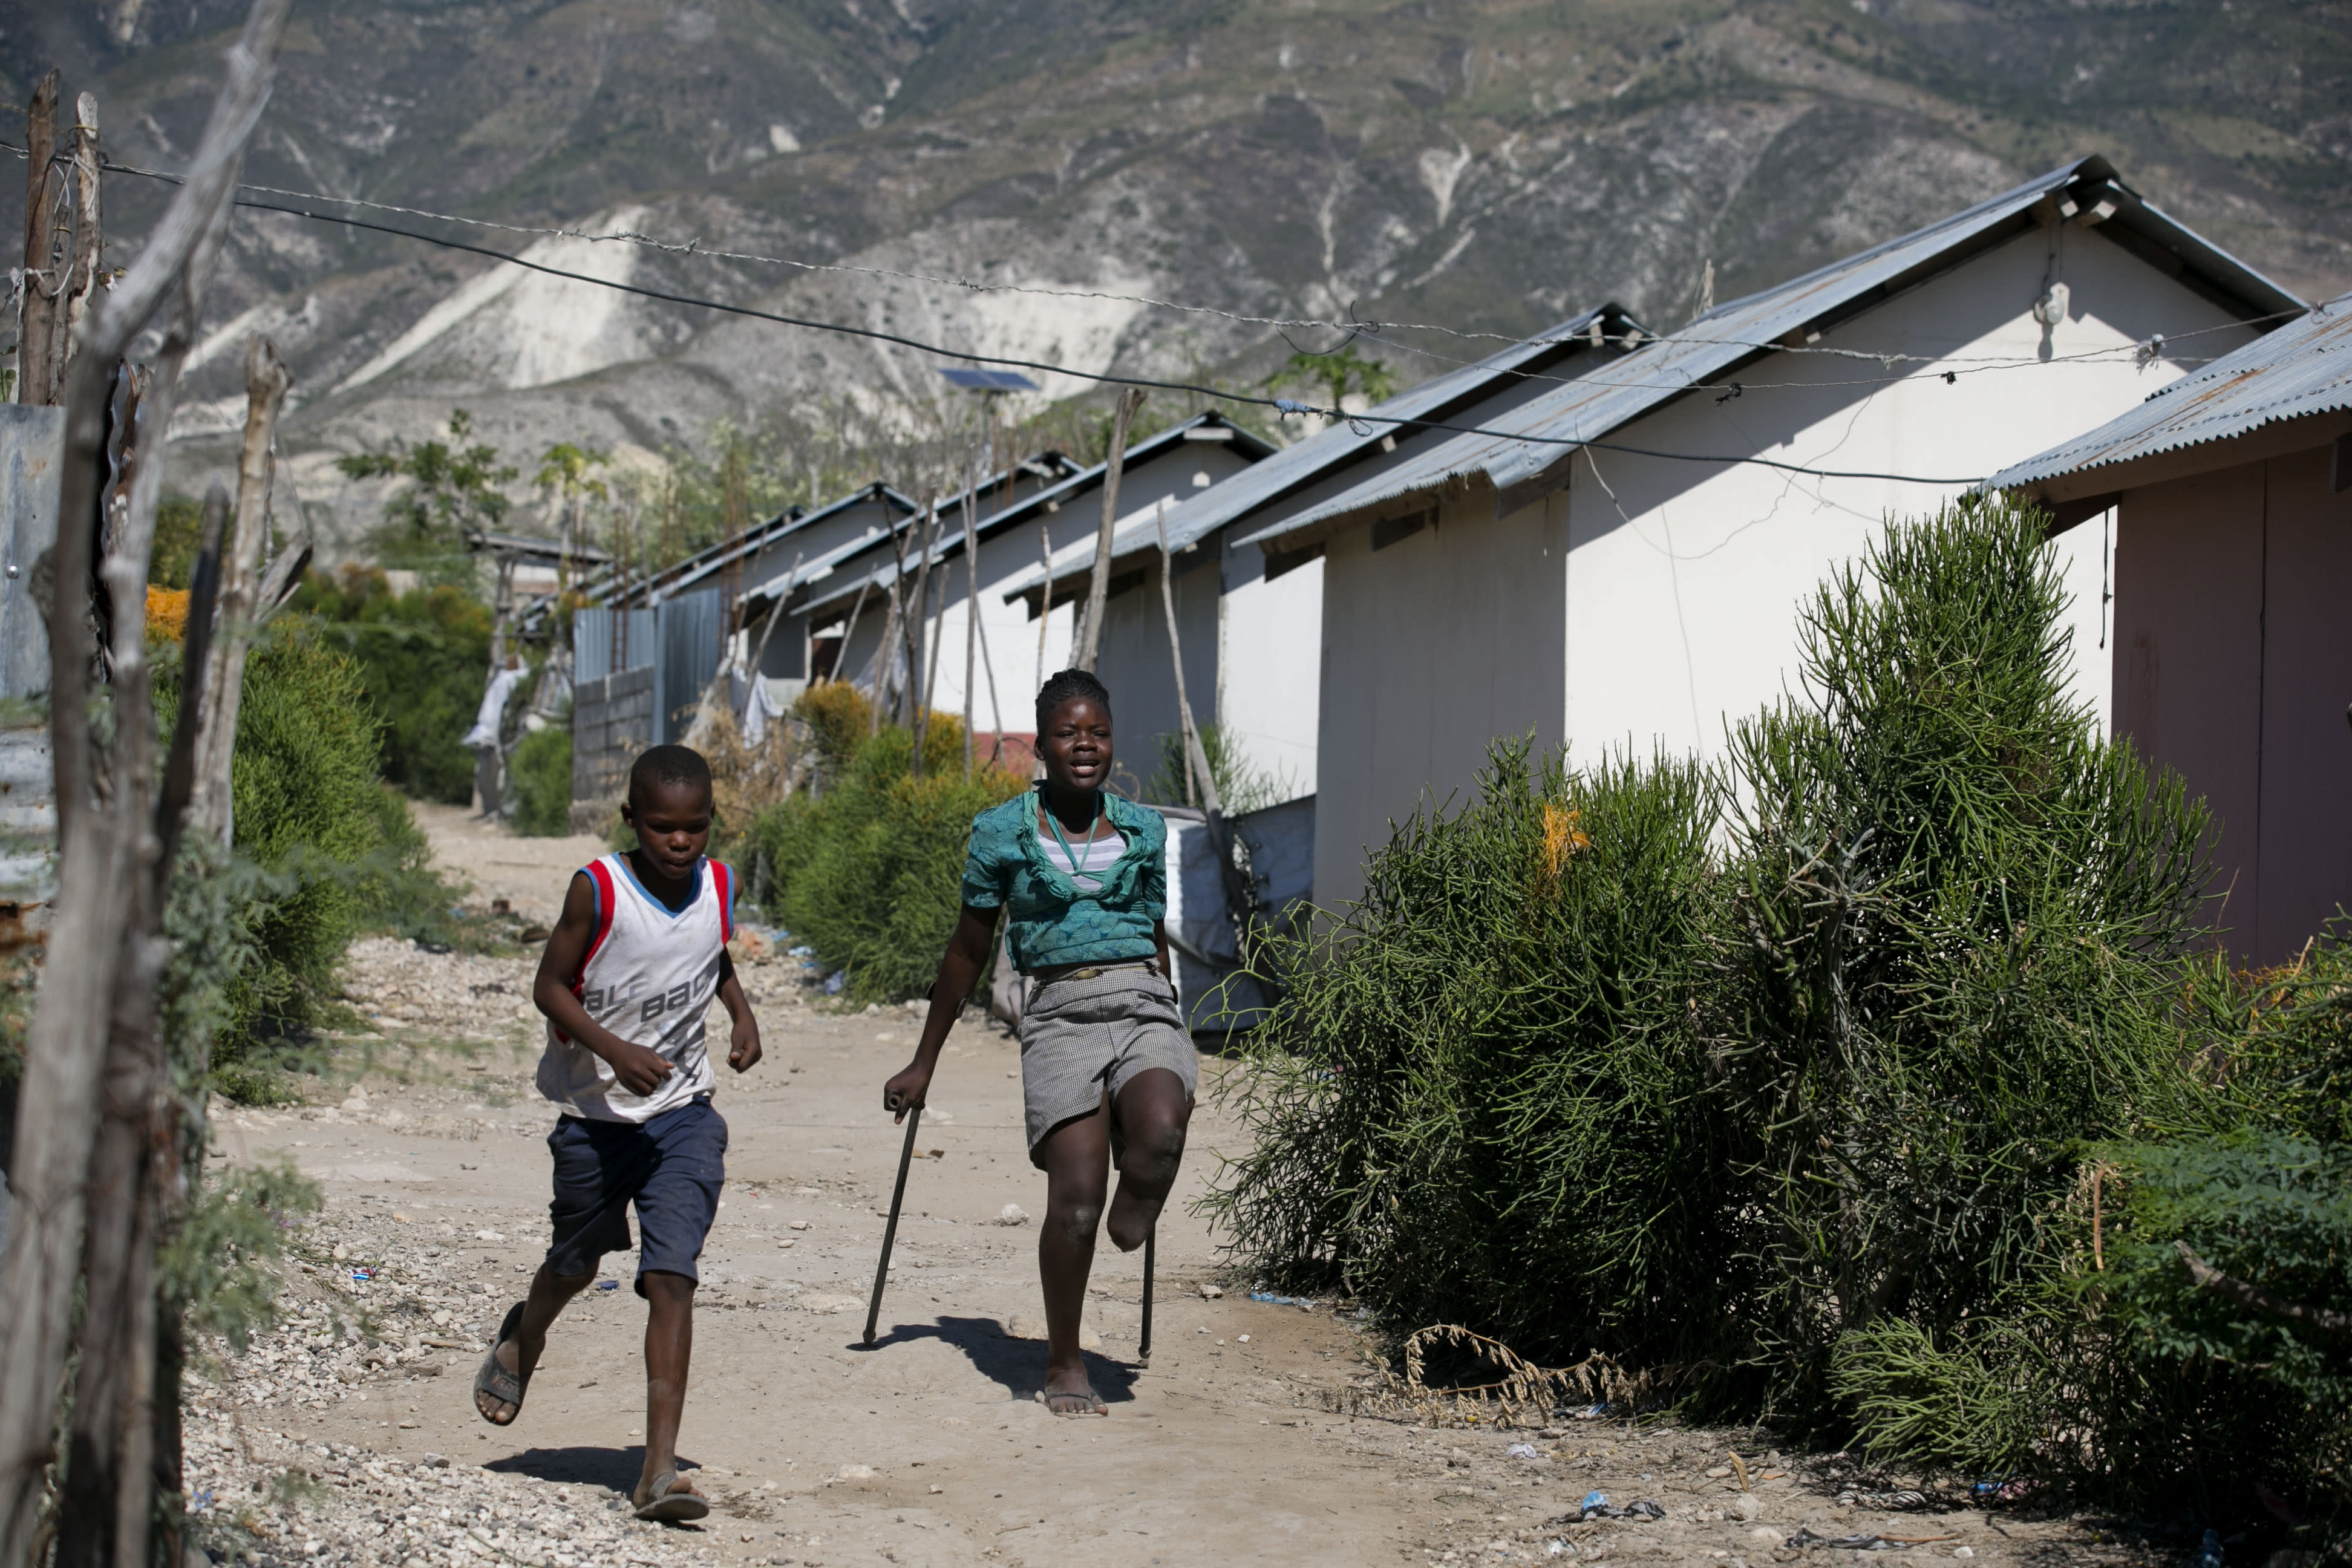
(1891, 1116)
(425, 657)
(323, 850)
(867, 872)
(540, 772)
(838, 718)
(1952, 929)
(179, 527)
(1473, 1102)
(1241, 788)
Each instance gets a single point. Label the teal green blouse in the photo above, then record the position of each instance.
(1048, 920)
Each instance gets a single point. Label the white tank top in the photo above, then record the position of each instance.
(648, 978)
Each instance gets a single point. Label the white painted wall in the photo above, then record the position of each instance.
(1270, 670)
(1432, 648)
(1675, 612)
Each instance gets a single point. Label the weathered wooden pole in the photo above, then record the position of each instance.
(1089, 652)
(1196, 758)
(105, 950)
(266, 380)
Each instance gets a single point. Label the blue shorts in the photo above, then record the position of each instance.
(671, 1168)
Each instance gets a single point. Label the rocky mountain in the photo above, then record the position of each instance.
(1481, 166)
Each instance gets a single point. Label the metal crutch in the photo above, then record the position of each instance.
(891, 1231)
(1143, 1345)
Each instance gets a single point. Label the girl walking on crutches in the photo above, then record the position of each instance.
(1107, 1071)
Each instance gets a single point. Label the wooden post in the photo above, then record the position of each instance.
(79, 286)
(1196, 758)
(849, 633)
(266, 380)
(938, 618)
(970, 617)
(1090, 648)
(105, 950)
(1046, 599)
(919, 631)
(36, 378)
(760, 654)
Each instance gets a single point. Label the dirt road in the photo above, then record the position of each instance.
(929, 1448)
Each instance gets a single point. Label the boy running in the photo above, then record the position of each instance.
(624, 983)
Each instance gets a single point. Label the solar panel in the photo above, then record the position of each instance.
(990, 380)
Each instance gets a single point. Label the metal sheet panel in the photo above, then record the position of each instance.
(2303, 368)
(592, 642)
(32, 460)
(1536, 439)
(689, 640)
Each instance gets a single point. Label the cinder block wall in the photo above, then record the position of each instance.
(611, 722)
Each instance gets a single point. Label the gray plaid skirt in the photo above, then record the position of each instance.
(1083, 1037)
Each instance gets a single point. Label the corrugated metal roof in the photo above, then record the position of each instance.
(1744, 330)
(1297, 467)
(1077, 484)
(2303, 367)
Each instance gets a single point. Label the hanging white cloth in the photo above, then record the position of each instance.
(759, 709)
(484, 731)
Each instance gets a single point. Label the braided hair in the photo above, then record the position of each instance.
(1065, 686)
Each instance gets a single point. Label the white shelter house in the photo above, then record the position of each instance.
(2233, 498)
(1252, 630)
(1016, 533)
(1618, 566)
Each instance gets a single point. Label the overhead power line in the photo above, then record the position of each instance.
(1279, 404)
(1886, 360)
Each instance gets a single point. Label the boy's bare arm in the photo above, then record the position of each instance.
(640, 1070)
(743, 1038)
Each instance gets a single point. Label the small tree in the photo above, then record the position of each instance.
(452, 486)
(1336, 375)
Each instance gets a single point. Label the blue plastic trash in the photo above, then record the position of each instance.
(608, 1284)
(799, 951)
(1271, 1299)
(836, 980)
(2210, 1554)
(1592, 1500)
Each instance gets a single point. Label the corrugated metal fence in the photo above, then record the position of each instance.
(668, 656)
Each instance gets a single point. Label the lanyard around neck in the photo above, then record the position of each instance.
(1077, 867)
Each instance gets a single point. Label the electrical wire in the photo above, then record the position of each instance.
(1351, 327)
(1279, 404)
(1282, 405)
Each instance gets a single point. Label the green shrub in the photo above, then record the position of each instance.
(179, 527)
(1953, 927)
(425, 657)
(1886, 1117)
(866, 874)
(1471, 1103)
(1242, 788)
(539, 773)
(323, 852)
